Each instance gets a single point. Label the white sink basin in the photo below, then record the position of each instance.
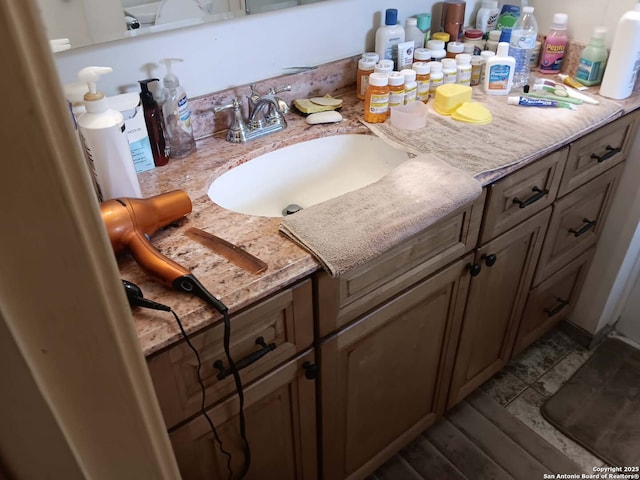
(304, 174)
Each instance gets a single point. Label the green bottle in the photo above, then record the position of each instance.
(593, 59)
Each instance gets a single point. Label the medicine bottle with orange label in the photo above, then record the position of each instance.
(376, 102)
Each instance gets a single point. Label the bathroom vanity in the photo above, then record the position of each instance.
(355, 367)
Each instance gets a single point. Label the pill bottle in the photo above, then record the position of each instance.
(454, 48)
(410, 85)
(449, 71)
(487, 54)
(422, 55)
(473, 37)
(423, 79)
(476, 69)
(443, 36)
(463, 66)
(492, 41)
(437, 50)
(396, 90)
(371, 56)
(436, 77)
(376, 102)
(468, 48)
(365, 68)
(383, 66)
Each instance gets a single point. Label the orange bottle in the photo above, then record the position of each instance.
(376, 102)
(366, 67)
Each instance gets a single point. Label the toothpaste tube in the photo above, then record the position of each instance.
(537, 102)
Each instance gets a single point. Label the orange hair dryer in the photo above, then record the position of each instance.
(131, 222)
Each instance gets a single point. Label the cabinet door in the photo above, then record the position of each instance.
(383, 378)
(496, 299)
(576, 223)
(284, 320)
(551, 301)
(281, 430)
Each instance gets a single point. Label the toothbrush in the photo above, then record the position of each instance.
(570, 91)
(554, 93)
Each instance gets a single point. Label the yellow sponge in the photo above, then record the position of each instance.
(450, 96)
(317, 104)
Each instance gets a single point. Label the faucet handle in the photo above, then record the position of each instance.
(237, 130)
(275, 91)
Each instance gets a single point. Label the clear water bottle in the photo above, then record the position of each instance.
(522, 42)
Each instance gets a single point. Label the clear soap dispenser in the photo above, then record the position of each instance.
(177, 116)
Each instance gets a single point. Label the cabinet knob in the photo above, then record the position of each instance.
(610, 152)
(490, 259)
(538, 195)
(474, 269)
(310, 370)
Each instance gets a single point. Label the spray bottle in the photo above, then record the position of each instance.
(104, 140)
(177, 117)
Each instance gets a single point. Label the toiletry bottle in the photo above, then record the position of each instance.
(453, 18)
(365, 68)
(388, 36)
(487, 16)
(376, 102)
(474, 38)
(522, 42)
(493, 40)
(153, 120)
(424, 24)
(624, 57)
(412, 32)
(485, 56)
(177, 116)
(555, 44)
(508, 16)
(105, 143)
(593, 59)
(499, 70)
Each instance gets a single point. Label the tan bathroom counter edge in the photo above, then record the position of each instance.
(235, 287)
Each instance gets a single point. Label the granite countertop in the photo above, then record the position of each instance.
(235, 287)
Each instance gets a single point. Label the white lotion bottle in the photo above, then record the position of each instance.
(104, 139)
(499, 70)
(624, 58)
(388, 36)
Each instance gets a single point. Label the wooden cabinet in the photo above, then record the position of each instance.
(551, 301)
(283, 322)
(576, 223)
(384, 378)
(503, 269)
(280, 418)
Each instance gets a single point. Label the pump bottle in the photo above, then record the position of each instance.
(153, 120)
(105, 143)
(177, 117)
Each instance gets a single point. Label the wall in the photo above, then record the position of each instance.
(240, 51)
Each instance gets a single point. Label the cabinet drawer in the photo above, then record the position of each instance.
(552, 301)
(576, 223)
(522, 194)
(344, 299)
(596, 152)
(285, 320)
(280, 417)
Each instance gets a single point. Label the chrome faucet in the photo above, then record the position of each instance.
(266, 115)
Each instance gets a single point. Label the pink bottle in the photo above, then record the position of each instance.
(553, 49)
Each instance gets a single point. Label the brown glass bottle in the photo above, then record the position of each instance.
(154, 120)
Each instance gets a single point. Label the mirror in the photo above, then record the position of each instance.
(91, 22)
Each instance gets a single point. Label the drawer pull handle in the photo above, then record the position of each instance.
(589, 224)
(310, 370)
(474, 269)
(246, 361)
(539, 194)
(557, 308)
(610, 153)
(490, 259)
